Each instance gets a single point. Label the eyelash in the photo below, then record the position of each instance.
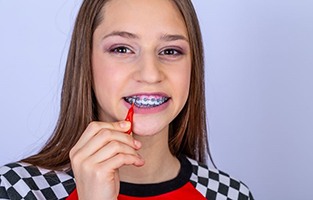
(171, 52)
(117, 50)
(165, 52)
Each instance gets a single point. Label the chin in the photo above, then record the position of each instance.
(149, 130)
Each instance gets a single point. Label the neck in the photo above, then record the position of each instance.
(160, 165)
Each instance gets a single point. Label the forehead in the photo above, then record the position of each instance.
(143, 15)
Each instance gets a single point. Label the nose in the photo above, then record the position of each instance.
(149, 70)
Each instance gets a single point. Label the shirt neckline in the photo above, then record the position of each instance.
(154, 189)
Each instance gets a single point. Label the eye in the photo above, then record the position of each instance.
(171, 52)
(121, 50)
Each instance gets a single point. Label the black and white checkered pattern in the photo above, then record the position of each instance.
(23, 181)
(217, 185)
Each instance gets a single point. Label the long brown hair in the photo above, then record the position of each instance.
(188, 133)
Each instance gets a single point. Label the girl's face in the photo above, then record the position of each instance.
(141, 53)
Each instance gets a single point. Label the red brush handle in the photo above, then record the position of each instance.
(129, 117)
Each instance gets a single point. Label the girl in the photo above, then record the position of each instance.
(124, 52)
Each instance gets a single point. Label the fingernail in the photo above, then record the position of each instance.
(124, 124)
(137, 144)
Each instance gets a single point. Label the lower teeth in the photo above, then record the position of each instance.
(147, 105)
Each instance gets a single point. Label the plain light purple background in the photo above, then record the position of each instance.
(259, 75)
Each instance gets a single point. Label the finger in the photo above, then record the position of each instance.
(94, 127)
(112, 149)
(120, 160)
(103, 138)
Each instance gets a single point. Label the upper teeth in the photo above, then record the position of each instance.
(146, 101)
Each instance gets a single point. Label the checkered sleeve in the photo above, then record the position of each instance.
(24, 181)
(217, 185)
(3, 192)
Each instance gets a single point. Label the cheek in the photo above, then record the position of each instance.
(180, 81)
(185, 87)
(106, 78)
(105, 71)
(183, 81)
(101, 78)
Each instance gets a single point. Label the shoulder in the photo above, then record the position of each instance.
(215, 184)
(21, 180)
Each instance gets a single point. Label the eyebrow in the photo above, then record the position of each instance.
(169, 37)
(124, 34)
(128, 35)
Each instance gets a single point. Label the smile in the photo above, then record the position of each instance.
(146, 101)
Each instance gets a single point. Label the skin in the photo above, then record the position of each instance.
(132, 53)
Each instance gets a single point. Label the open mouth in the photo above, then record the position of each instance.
(146, 101)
